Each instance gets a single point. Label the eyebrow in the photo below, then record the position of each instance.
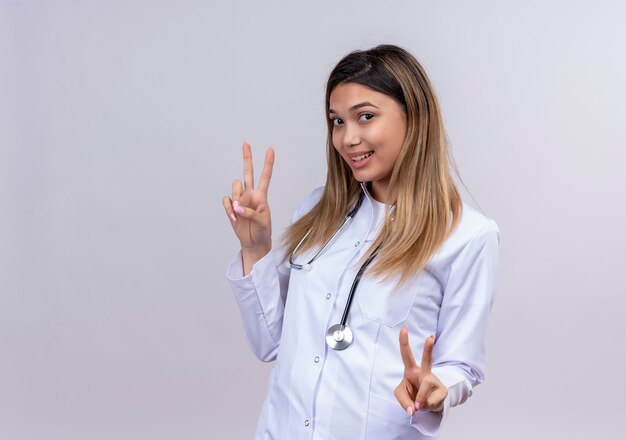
(356, 106)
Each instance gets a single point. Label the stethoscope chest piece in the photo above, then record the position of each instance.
(339, 337)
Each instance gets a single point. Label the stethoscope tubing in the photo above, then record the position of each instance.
(355, 283)
(338, 336)
(307, 265)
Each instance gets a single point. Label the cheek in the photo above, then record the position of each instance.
(375, 134)
(399, 138)
(397, 148)
(399, 141)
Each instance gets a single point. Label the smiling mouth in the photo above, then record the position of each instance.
(361, 157)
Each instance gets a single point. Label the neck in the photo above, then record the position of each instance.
(378, 190)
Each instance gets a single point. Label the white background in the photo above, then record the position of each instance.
(121, 125)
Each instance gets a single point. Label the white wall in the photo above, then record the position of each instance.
(121, 124)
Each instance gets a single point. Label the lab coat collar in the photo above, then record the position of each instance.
(371, 198)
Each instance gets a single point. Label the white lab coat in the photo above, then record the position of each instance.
(318, 393)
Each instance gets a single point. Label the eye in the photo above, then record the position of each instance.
(364, 117)
(336, 121)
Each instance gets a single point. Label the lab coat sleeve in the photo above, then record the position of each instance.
(261, 298)
(261, 294)
(459, 353)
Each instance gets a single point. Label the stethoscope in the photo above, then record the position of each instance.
(338, 336)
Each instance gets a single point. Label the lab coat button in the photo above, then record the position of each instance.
(357, 244)
(306, 423)
(317, 359)
(328, 296)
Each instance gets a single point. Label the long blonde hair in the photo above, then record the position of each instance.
(428, 204)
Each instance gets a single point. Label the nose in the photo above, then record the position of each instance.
(351, 135)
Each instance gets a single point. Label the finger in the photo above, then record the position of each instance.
(434, 402)
(266, 174)
(423, 393)
(244, 211)
(427, 354)
(228, 207)
(237, 189)
(404, 397)
(248, 173)
(405, 349)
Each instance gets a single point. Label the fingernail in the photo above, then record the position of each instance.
(232, 216)
(238, 209)
(417, 406)
(409, 411)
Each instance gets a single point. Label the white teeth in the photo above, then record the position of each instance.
(362, 156)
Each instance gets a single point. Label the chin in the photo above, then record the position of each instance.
(361, 176)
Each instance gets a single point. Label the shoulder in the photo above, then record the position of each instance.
(473, 224)
(308, 202)
(472, 233)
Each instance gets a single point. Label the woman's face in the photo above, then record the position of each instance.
(369, 128)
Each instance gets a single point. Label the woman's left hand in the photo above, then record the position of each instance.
(419, 389)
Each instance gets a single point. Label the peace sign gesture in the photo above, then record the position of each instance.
(419, 388)
(248, 210)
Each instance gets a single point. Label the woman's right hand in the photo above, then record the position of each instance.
(248, 210)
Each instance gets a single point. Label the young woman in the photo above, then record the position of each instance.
(385, 245)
